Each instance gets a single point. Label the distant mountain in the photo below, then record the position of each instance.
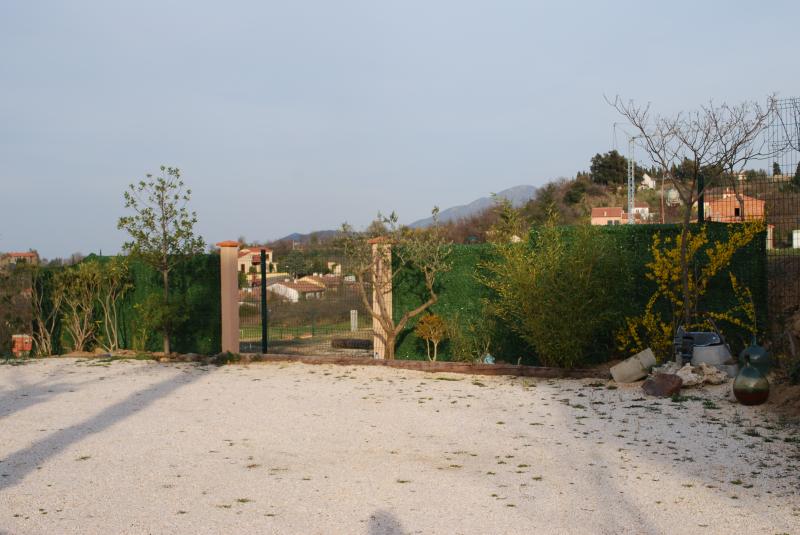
(518, 195)
(322, 235)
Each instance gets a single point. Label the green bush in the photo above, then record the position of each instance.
(560, 292)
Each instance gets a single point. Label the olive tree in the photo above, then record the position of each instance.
(161, 229)
(425, 251)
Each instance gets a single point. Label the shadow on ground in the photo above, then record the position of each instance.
(22, 462)
(384, 523)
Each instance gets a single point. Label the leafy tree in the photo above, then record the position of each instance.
(296, 264)
(612, 168)
(80, 286)
(115, 282)
(776, 169)
(575, 192)
(161, 230)
(423, 250)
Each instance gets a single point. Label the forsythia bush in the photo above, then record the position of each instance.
(656, 328)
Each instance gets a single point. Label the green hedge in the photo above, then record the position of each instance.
(194, 286)
(461, 294)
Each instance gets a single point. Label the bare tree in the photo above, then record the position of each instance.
(705, 144)
(424, 250)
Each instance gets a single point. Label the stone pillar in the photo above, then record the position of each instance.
(770, 237)
(229, 294)
(382, 277)
(796, 239)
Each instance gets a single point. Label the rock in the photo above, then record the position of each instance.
(670, 367)
(712, 375)
(662, 385)
(689, 377)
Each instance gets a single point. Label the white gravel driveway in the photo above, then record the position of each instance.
(141, 447)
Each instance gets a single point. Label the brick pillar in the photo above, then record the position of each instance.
(229, 294)
(382, 276)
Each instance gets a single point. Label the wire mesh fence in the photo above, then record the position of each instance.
(308, 311)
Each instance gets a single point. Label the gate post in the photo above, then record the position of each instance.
(382, 285)
(229, 294)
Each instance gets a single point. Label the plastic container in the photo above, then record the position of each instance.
(634, 368)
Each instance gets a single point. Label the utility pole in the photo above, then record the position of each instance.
(631, 180)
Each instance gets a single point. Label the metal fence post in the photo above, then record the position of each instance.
(264, 324)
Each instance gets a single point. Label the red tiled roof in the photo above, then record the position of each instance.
(607, 211)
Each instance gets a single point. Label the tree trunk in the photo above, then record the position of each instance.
(165, 275)
(685, 268)
(388, 352)
(435, 350)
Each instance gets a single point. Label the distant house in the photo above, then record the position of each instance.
(615, 215)
(727, 208)
(249, 263)
(648, 182)
(608, 215)
(641, 211)
(323, 281)
(294, 291)
(335, 268)
(10, 259)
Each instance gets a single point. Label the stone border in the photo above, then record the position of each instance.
(435, 367)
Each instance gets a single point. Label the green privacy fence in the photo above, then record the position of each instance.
(194, 293)
(461, 295)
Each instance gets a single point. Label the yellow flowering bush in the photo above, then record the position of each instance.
(655, 328)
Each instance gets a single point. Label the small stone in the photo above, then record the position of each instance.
(662, 385)
(689, 376)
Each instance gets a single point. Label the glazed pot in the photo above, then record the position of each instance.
(757, 355)
(750, 386)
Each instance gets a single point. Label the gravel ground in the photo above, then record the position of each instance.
(141, 447)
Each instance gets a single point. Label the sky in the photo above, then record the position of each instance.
(293, 116)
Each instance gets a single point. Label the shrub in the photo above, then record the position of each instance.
(433, 330)
(469, 340)
(560, 293)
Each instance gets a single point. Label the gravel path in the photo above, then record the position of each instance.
(141, 447)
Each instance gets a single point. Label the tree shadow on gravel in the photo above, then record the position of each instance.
(15, 467)
(384, 523)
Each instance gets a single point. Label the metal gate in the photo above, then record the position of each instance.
(306, 303)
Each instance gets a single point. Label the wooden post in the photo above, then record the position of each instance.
(229, 294)
(382, 278)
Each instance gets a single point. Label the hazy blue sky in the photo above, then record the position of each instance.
(298, 115)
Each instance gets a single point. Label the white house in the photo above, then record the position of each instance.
(295, 291)
(648, 182)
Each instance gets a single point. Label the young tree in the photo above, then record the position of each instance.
(425, 251)
(432, 329)
(80, 286)
(705, 145)
(46, 300)
(161, 228)
(776, 169)
(115, 282)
